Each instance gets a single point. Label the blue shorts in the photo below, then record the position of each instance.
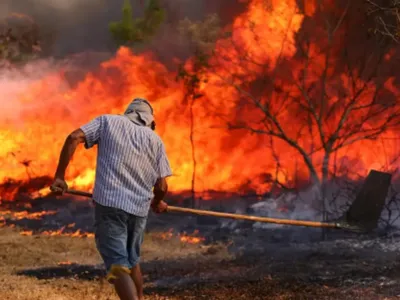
(119, 236)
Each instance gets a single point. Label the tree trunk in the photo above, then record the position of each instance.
(193, 188)
(323, 190)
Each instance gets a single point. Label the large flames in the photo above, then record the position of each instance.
(37, 115)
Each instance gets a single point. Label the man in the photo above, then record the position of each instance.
(131, 161)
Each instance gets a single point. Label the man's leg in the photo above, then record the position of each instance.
(136, 275)
(124, 285)
(111, 233)
(136, 229)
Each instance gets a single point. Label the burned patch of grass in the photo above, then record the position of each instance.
(41, 267)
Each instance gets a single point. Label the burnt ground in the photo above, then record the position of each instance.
(236, 260)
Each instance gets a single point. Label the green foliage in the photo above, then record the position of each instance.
(129, 31)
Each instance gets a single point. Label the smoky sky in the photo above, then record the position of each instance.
(82, 25)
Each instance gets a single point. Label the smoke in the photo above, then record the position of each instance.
(13, 85)
(76, 26)
(76, 33)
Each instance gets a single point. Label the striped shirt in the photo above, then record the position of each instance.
(130, 159)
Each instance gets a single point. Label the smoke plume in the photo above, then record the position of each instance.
(76, 26)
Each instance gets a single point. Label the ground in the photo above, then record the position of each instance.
(61, 267)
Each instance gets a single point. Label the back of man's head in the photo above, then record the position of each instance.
(140, 112)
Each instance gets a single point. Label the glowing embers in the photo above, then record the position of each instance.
(193, 238)
(62, 232)
(19, 215)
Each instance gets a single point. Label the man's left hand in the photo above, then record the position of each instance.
(59, 186)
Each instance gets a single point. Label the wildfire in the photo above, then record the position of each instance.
(19, 215)
(64, 263)
(61, 232)
(26, 232)
(38, 114)
(193, 238)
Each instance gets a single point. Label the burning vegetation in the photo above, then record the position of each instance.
(291, 101)
(288, 91)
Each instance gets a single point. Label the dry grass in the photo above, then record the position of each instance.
(19, 253)
(167, 259)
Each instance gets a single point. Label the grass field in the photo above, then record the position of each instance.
(63, 268)
(21, 253)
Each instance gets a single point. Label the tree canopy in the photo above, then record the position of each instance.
(129, 30)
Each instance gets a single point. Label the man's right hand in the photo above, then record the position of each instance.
(159, 207)
(59, 186)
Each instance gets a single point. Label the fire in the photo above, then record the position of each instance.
(61, 232)
(64, 263)
(40, 113)
(19, 215)
(193, 238)
(166, 235)
(184, 237)
(309, 7)
(27, 232)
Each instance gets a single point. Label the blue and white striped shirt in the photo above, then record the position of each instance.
(130, 159)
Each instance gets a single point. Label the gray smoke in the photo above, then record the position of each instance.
(76, 26)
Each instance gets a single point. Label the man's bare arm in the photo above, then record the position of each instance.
(73, 140)
(160, 190)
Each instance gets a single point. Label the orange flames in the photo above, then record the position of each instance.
(64, 263)
(19, 215)
(40, 113)
(6, 215)
(193, 238)
(60, 232)
(184, 237)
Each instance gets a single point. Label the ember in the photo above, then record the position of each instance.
(64, 263)
(19, 215)
(78, 233)
(61, 232)
(28, 232)
(193, 238)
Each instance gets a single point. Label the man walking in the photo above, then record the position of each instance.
(131, 161)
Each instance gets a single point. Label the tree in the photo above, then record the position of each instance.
(130, 31)
(19, 38)
(202, 37)
(329, 94)
(386, 14)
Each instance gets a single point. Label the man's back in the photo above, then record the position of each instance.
(130, 160)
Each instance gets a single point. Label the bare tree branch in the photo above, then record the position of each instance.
(387, 18)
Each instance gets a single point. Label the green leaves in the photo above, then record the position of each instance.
(130, 31)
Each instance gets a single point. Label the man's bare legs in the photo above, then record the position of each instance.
(125, 287)
(130, 287)
(137, 278)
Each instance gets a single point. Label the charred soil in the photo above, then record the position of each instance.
(38, 261)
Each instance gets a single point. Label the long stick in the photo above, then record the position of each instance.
(233, 216)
